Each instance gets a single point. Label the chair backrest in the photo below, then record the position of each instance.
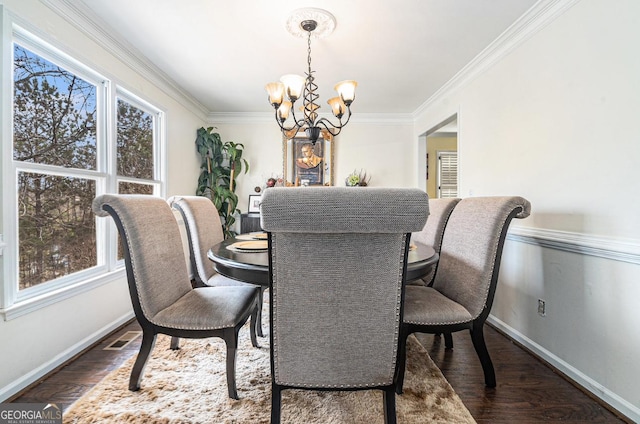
(154, 258)
(204, 229)
(439, 212)
(431, 234)
(472, 248)
(337, 264)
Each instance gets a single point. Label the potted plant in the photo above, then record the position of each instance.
(221, 163)
(357, 179)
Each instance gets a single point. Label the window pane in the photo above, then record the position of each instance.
(134, 188)
(56, 227)
(135, 142)
(54, 119)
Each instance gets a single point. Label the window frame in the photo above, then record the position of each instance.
(15, 302)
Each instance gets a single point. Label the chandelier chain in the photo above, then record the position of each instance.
(310, 88)
(309, 51)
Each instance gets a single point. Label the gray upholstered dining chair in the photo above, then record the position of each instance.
(465, 283)
(163, 299)
(433, 231)
(204, 229)
(337, 263)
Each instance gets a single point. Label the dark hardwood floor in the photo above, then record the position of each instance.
(528, 391)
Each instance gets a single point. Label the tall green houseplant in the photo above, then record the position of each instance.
(221, 163)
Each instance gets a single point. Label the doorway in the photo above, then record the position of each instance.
(442, 159)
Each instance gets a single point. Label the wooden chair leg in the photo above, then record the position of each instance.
(477, 337)
(148, 342)
(231, 339)
(260, 300)
(448, 341)
(389, 398)
(402, 360)
(175, 343)
(276, 395)
(255, 322)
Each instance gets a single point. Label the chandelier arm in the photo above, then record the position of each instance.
(334, 131)
(281, 124)
(298, 122)
(325, 122)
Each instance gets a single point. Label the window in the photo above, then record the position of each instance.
(134, 147)
(54, 142)
(63, 154)
(134, 151)
(447, 174)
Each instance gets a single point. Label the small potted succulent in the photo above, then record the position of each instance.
(357, 179)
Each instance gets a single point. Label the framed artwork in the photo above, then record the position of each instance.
(254, 203)
(306, 164)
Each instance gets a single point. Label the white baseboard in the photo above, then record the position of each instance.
(619, 404)
(33, 376)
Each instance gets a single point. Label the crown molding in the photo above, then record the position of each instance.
(536, 18)
(248, 118)
(623, 250)
(78, 15)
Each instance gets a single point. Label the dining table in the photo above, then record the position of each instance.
(245, 258)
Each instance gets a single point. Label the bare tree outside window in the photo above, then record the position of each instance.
(54, 114)
(54, 124)
(134, 142)
(56, 227)
(134, 152)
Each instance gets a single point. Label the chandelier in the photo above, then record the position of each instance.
(284, 94)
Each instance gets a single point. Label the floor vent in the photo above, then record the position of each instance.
(123, 340)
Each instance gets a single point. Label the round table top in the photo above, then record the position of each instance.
(253, 267)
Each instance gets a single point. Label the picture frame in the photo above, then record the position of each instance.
(254, 203)
(306, 164)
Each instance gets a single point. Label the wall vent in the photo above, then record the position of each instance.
(122, 341)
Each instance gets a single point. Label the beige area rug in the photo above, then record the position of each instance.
(189, 386)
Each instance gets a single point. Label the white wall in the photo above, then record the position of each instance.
(383, 148)
(37, 342)
(555, 121)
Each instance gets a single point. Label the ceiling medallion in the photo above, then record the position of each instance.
(325, 21)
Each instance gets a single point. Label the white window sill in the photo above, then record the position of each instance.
(33, 304)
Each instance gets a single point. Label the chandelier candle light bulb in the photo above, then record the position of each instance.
(283, 110)
(284, 94)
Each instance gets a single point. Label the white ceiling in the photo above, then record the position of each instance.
(223, 52)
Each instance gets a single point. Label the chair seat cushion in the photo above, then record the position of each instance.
(427, 306)
(218, 280)
(208, 308)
